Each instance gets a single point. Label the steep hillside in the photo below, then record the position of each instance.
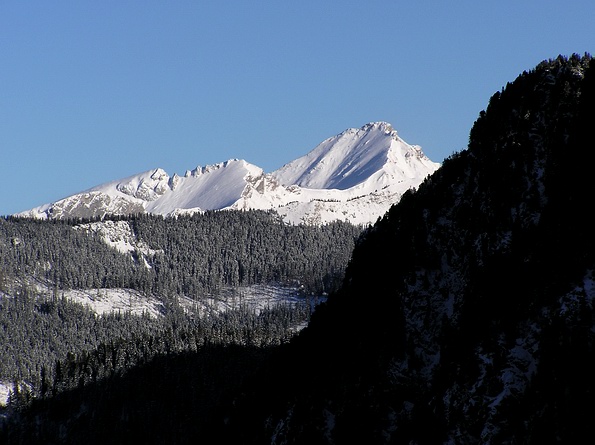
(467, 312)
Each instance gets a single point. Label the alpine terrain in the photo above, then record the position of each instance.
(464, 315)
(354, 176)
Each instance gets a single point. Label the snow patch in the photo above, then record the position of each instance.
(125, 301)
(255, 298)
(5, 389)
(119, 235)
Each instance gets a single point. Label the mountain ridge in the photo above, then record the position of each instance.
(478, 329)
(354, 176)
(466, 314)
(352, 157)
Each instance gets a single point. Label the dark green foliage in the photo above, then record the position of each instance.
(466, 314)
(35, 333)
(204, 252)
(171, 399)
(54, 346)
(157, 372)
(195, 255)
(51, 251)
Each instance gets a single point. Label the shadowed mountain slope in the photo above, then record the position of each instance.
(467, 312)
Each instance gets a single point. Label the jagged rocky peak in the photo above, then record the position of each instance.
(382, 126)
(371, 127)
(370, 163)
(201, 170)
(355, 156)
(379, 127)
(148, 186)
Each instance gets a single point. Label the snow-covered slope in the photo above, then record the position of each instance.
(354, 176)
(372, 155)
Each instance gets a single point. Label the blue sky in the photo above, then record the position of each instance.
(96, 91)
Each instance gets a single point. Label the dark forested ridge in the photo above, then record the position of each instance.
(479, 329)
(52, 347)
(55, 253)
(466, 314)
(189, 255)
(202, 253)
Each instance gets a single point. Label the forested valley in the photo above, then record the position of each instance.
(51, 346)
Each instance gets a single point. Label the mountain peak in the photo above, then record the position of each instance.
(356, 176)
(234, 162)
(353, 157)
(380, 125)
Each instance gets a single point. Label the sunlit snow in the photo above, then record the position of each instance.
(354, 176)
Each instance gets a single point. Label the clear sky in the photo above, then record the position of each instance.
(96, 91)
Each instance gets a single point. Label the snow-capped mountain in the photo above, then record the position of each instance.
(365, 158)
(354, 176)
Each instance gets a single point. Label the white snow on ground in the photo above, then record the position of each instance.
(371, 156)
(105, 301)
(5, 388)
(117, 234)
(256, 298)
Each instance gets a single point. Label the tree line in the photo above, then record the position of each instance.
(50, 344)
(193, 255)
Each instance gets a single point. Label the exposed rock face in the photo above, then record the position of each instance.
(355, 176)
